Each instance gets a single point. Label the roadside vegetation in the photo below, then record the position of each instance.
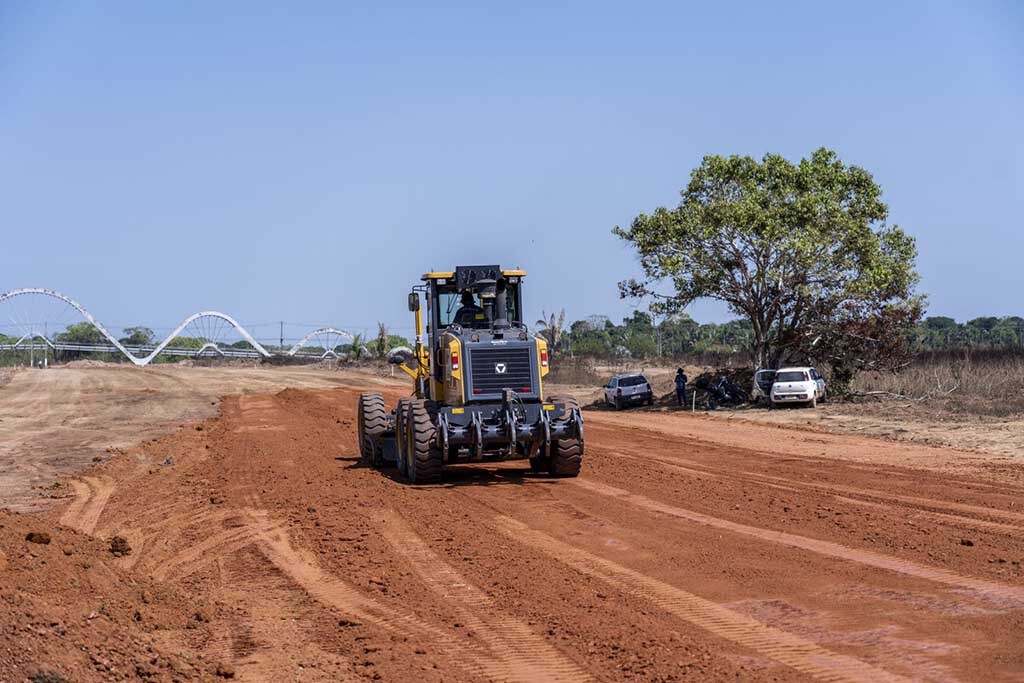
(988, 382)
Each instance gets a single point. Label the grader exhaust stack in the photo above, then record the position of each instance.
(478, 377)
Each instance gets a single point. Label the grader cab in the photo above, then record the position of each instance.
(478, 385)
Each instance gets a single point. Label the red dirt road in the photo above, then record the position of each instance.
(670, 558)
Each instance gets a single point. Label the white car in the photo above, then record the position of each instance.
(798, 385)
(628, 390)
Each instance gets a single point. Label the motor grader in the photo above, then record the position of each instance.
(478, 385)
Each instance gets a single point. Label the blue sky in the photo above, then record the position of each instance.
(307, 161)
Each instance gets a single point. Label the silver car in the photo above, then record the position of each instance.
(628, 390)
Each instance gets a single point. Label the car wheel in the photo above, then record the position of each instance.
(813, 403)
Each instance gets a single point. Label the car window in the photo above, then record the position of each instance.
(632, 381)
(791, 376)
(612, 382)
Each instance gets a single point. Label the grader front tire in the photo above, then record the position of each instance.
(401, 438)
(566, 454)
(373, 422)
(426, 460)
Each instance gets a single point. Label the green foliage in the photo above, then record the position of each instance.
(357, 349)
(82, 333)
(138, 336)
(938, 333)
(639, 337)
(187, 343)
(396, 340)
(801, 251)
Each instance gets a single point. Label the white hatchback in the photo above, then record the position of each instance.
(798, 385)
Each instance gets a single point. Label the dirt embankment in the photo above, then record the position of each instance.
(62, 419)
(70, 612)
(689, 548)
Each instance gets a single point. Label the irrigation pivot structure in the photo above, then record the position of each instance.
(208, 330)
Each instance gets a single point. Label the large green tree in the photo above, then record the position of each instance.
(801, 250)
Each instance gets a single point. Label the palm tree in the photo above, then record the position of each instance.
(551, 328)
(382, 345)
(358, 348)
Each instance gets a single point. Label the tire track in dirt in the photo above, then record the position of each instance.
(519, 653)
(207, 551)
(781, 646)
(929, 504)
(941, 517)
(91, 496)
(698, 468)
(920, 506)
(332, 592)
(253, 637)
(990, 589)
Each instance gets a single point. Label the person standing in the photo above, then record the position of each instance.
(681, 387)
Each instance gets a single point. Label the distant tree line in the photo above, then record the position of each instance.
(939, 333)
(640, 337)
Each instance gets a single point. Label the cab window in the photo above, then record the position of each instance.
(449, 305)
(449, 301)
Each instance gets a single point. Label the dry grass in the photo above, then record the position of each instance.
(575, 372)
(969, 383)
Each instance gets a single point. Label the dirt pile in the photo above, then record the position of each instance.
(69, 613)
(86, 363)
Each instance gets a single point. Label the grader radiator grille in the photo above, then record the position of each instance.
(494, 369)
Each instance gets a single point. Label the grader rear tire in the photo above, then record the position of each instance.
(373, 422)
(426, 461)
(400, 435)
(566, 454)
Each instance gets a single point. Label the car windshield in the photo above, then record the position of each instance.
(791, 376)
(632, 381)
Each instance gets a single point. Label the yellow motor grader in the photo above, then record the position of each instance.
(478, 393)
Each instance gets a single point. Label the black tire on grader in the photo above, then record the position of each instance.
(373, 422)
(401, 435)
(425, 460)
(566, 454)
